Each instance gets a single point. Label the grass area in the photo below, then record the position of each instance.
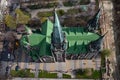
(74, 11)
(48, 5)
(92, 74)
(45, 74)
(45, 14)
(50, 13)
(66, 76)
(22, 73)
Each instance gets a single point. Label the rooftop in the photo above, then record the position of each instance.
(77, 38)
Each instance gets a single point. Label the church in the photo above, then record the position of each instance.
(55, 43)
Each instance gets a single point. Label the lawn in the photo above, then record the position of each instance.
(50, 13)
(22, 73)
(45, 74)
(94, 74)
(45, 14)
(66, 76)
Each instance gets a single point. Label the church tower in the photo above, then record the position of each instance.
(58, 41)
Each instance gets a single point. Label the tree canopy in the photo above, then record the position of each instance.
(19, 18)
(105, 52)
(10, 21)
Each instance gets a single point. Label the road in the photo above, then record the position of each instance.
(107, 25)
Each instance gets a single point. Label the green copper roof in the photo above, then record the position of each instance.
(77, 39)
(47, 28)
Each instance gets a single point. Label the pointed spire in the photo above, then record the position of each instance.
(93, 23)
(57, 31)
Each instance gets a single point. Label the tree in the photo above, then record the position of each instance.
(105, 52)
(21, 18)
(10, 21)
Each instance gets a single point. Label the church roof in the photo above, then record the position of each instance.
(47, 27)
(77, 40)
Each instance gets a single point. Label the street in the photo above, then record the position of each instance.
(107, 25)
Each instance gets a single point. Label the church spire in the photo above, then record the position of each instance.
(58, 41)
(57, 31)
(93, 24)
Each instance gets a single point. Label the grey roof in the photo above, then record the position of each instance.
(57, 31)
